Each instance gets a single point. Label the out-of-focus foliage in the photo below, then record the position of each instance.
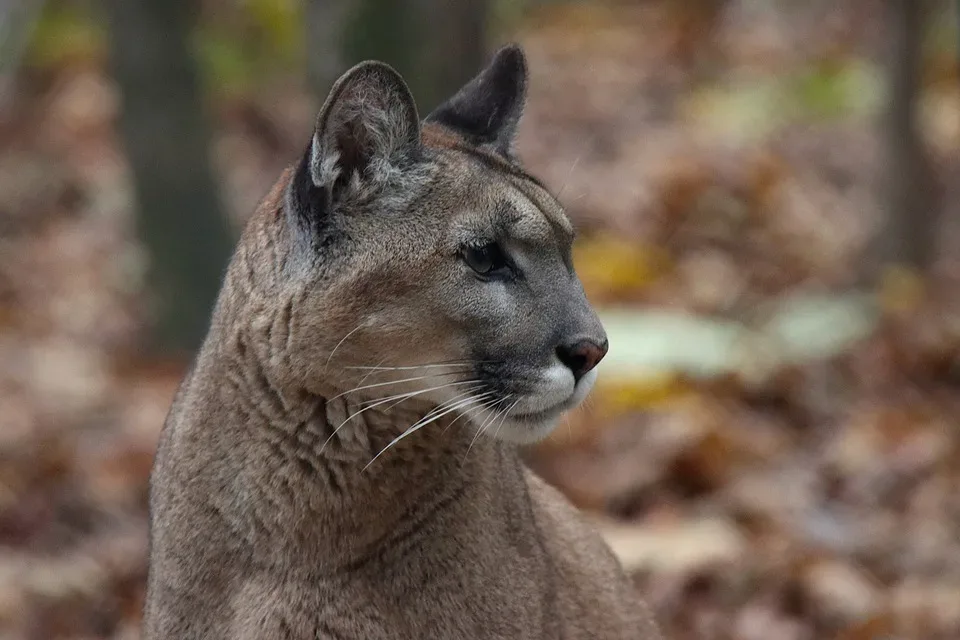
(758, 107)
(611, 267)
(239, 43)
(66, 32)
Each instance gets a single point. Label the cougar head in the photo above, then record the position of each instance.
(426, 261)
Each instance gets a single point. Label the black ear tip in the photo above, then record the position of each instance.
(487, 109)
(511, 56)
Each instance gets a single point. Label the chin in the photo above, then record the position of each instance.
(532, 426)
(525, 431)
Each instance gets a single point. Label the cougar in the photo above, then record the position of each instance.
(341, 460)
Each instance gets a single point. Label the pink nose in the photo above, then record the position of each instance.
(582, 356)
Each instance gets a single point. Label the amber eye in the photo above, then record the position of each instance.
(486, 259)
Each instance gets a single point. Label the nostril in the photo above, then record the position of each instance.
(573, 360)
(581, 356)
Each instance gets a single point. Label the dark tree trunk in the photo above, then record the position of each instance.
(453, 47)
(325, 21)
(437, 45)
(907, 235)
(167, 139)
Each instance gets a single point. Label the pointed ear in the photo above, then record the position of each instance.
(367, 131)
(486, 111)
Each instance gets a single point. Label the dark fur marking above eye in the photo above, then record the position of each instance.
(499, 164)
(508, 214)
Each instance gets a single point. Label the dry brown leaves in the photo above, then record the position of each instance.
(820, 502)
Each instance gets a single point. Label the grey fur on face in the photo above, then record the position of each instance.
(391, 210)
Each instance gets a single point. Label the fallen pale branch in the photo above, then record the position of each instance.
(647, 344)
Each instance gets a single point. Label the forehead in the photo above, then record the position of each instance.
(514, 202)
(531, 213)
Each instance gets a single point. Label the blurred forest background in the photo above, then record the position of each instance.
(767, 197)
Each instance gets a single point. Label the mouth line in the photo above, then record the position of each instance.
(541, 416)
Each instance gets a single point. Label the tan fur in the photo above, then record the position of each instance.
(267, 522)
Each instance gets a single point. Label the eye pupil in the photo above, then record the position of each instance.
(485, 259)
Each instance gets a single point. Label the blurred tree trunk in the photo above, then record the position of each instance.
(452, 47)
(17, 23)
(907, 236)
(324, 37)
(167, 141)
(437, 45)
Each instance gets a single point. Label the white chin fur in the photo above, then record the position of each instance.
(532, 419)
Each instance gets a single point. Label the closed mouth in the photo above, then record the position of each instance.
(535, 417)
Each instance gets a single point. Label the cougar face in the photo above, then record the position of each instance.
(428, 245)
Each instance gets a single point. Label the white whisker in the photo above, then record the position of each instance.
(384, 384)
(401, 396)
(484, 424)
(373, 372)
(446, 384)
(419, 366)
(342, 340)
(504, 418)
(573, 166)
(419, 425)
(485, 401)
(368, 374)
(444, 405)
